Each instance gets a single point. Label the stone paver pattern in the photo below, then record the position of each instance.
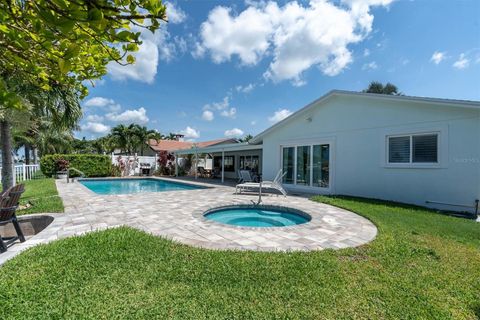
(178, 215)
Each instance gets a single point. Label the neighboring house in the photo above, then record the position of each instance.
(157, 146)
(423, 151)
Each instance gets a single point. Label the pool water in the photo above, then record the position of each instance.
(125, 186)
(257, 217)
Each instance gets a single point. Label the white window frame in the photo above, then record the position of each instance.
(441, 149)
(310, 144)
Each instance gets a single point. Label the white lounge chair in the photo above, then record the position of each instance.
(275, 184)
(245, 176)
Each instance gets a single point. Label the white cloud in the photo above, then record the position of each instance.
(155, 46)
(370, 66)
(245, 35)
(230, 113)
(438, 57)
(190, 133)
(95, 127)
(103, 103)
(245, 89)
(129, 116)
(462, 63)
(207, 115)
(253, 122)
(366, 53)
(296, 36)
(145, 67)
(181, 44)
(198, 50)
(175, 14)
(94, 118)
(98, 102)
(222, 105)
(235, 132)
(279, 115)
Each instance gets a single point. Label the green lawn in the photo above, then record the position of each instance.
(42, 195)
(421, 266)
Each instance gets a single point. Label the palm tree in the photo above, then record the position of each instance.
(141, 135)
(60, 105)
(379, 88)
(121, 136)
(50, 140)
(171, 136)
(103, 144)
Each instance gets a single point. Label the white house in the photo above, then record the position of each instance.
(423, 151)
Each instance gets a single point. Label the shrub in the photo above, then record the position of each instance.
(93, 165)
(62, 164)
(166, 162)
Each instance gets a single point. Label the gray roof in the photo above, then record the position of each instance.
(437, 101)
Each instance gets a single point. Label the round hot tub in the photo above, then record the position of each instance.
(257, 216)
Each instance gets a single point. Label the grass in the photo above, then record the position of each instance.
(421, 266)
(42, 195)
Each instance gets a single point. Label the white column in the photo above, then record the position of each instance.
(14, 174)
(196, 162)
(223, 165)
(24, 171)
(176, 164)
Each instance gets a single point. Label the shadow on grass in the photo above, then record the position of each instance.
(476, 310)
(393, 204)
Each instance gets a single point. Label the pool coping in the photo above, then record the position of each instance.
(199, 214)
(196, 184)
(178, 216)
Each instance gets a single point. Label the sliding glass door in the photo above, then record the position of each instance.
(288, 162)
(307, 165)
(321, 165)
(303, 165)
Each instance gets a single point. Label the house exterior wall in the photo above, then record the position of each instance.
(357, 128)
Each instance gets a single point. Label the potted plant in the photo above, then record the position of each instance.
(62, 167)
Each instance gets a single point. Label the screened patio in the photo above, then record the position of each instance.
(221, 162)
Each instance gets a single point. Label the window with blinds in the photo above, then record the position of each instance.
(425, 148)
(399, 149)
(416, 148)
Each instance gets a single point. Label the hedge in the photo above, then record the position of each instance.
(93, 165)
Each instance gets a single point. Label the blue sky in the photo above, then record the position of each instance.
(227, 68)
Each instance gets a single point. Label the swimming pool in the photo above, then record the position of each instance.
(125, 186)
(257, 216)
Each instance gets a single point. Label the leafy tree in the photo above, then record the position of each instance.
(69, 41)
(379, 88)
(103, 144)
(50, 139)
(62, 43)
(171, 136)
(140, 136)
(247, 138)
(56, 110)
(121, 135)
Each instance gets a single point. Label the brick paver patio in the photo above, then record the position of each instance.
(178, 215)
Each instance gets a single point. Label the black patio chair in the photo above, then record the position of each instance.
(8, 206)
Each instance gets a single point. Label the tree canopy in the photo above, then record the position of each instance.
(58, 45)
(378, 87)
(65, 42)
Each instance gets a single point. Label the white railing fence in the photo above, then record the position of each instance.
(24, 172)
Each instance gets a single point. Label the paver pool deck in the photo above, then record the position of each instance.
(178, 215)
